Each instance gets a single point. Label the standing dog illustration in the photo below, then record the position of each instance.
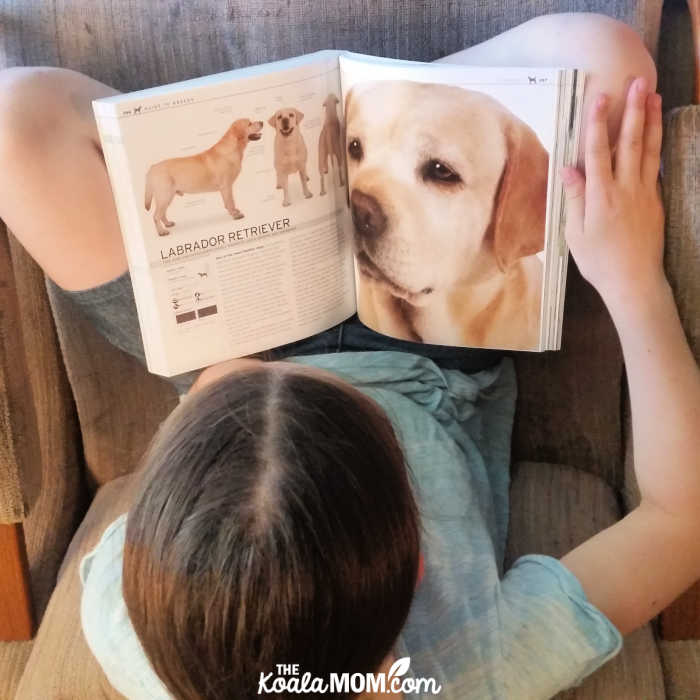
(213, 170)
(290, 150)
(448, 194)
(330, 143)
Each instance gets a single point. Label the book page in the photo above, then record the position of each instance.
(450, 181)
(239, 221)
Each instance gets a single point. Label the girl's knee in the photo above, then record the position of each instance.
(622, 50)
(46, 102)
(30, 103)
(604, 47)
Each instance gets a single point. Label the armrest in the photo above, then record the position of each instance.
(41, 441)
(681, 188)
(694, 7)
(19, 451)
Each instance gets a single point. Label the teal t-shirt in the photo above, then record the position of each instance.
(479, 633)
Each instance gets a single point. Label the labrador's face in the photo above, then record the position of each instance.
(286, 120)
(247, 129)
(424, 165)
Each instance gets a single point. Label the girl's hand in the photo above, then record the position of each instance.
(615, 218)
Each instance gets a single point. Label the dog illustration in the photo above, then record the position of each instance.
(448, 195)
(330, 143)
(213, 170)
(290, 150)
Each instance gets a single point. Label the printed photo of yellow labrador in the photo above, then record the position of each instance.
(330, 143)
(213, 170)
(290, 150)
(448, 194)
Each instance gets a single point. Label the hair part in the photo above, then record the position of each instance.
(275, 524)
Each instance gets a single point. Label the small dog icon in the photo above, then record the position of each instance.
(202, 275)
(137, 110)
(532, 80)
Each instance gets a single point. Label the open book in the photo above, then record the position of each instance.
(263, 205)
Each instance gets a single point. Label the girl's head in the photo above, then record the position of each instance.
(275, 524)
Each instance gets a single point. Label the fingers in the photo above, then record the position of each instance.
(597, 156)
(628, 157)
(651, 153)
(574, 190)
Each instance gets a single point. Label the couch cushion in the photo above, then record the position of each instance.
(60, 665)
(13, 660)
(54, 485)
(681, 184)
(675, 55)
(681, 662)
(553, 509)
(568, 408)
(119, 403)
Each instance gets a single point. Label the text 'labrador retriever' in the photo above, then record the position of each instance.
(213, 170)
(448, 194)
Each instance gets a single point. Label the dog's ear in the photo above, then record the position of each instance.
(518, 219)
(299, 115)
(240, 128)
(272, 121)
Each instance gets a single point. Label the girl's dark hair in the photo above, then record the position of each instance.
(275, 524)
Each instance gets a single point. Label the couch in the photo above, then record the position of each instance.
(76, 414)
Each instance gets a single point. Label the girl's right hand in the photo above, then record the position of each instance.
(615, 218)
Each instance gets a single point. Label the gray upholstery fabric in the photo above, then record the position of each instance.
(675, 55)
(568, 408)
(681, 184)
(60, 665)
(681, 662)
(120, 404)
(13, 660)
(553, 509)
(143, 43)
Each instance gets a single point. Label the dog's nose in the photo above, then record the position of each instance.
(367, 214)
(285, 123)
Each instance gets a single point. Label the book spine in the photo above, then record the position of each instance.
(115, 158)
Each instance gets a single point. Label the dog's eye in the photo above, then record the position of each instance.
(355, 149)
(439, 172)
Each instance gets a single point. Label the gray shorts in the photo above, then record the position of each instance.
(112, 310)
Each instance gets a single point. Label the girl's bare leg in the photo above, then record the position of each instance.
(611, 53)
(54, 191)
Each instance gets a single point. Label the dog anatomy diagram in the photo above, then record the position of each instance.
(237, 173)
(213, 170)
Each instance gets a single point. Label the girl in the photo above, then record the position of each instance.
(347, 506)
